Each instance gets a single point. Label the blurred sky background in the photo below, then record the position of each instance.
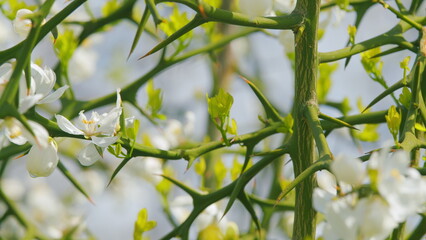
(184, 86)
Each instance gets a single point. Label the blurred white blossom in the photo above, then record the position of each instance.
(21, 24)
(41, 161)
(284, 6)
(255, 7)
(397, 192)
(348, 170)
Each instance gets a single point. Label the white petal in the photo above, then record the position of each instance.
(255, 7)
(109, 122)
(28, 102)
(54, 96)
(89, 155)
(348, 170)
(42, 161)
(118, 102)
(14, 132)
(44, 83)
(321, 199)
(66, 126)
(104, 141)
(21, 25)
(41, 136)
(327, 181)
(374, 218)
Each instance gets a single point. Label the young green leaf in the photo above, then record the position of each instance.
(155, 100)
(324, 80)
(393, 120)
(142, 224)
(405, 97)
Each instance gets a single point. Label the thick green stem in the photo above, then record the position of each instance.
(303, 154)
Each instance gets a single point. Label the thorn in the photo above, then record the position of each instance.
(19, 156)
(91, 201)
(146, 55)
(245, 79)
(202, 11)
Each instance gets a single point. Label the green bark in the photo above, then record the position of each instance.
(303, 154)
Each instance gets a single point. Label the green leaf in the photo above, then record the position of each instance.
(14, 6)
(373, 65)
(405, 97)
(219, 107)
(219, 172)
(352, 33)
(155, 100)
(200, 166)
(324, 80)
(132, 131)
(236, 169)
(142, 224)
(109, 7)
(368, 134)
(65, 45)
(393, 120)
(404, 66)
(232, 129)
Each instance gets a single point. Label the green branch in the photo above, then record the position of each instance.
(393, 36)
(210, 13)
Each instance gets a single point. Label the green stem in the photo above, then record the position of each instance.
(303, 154)
(393, 36)
(318, 133)
(211, 13)
(401, 16)
(306, 174)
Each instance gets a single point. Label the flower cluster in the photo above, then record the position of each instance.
(371, 201)
(42, 157)
(101, 130)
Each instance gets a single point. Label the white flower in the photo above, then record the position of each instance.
(284, 6)
(348, 170)
(288, 220)
(374, 218)
(151, 169)
(175, 133)
(402, 187)
(327, 181)
(42, 83)
(286, 39)
(100, 129)
(5, 32)
(18, 134)
(181, 206)
(41, 161)
(341, 222)
(82, 64)
(5, 74)
(21, 24)
(321, 199)
(255, 7)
